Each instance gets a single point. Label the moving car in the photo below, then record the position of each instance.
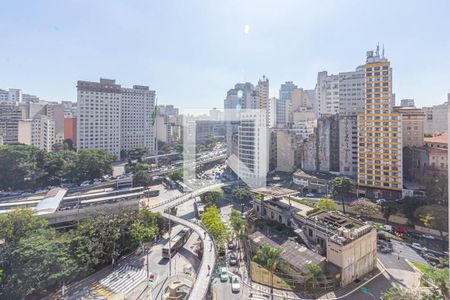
(428, 236)
(417, 246)
(85, 183)
(235, 284)
(223, 274)
(309, 195)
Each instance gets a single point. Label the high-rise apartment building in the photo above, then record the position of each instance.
(10, 115)
(379, 133)
(327, 93)
(253, 148)
(43, 132)
(284, 103)
(112, 118)
(136, 118)
(351, 103)
(262, 88)
(407, 102)
(412, 125)
(436, 118)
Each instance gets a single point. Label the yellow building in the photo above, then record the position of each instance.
(379, 133)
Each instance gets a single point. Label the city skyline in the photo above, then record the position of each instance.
(198, 52)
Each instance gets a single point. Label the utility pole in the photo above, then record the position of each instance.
(170, 248)
(148, 272)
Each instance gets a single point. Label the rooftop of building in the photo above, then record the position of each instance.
(313, 174)
(335, 220)
(275, 191)
(293, 253)
(441, 139)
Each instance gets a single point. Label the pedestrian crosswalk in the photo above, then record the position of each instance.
(122, 280)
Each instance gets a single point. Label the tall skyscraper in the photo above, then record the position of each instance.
(379, 133)
(112, 118)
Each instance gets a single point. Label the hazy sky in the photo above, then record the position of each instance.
(191, 52)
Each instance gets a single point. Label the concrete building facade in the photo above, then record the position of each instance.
(327, 93)
(10, 115)
(253, 148)
(412, 125)
(112, 118)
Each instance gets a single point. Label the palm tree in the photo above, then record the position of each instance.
(340, 187)
(269, 258)
(313, 272)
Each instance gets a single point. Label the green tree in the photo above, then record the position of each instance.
(38, 262)
(142, 231)
(388, 209)
(211, 218)
(177, 175)
(410, 204)
(326, 204)
(436, 217)
(397, 293)
(136, 154)
(239, 224)
(436, 189)
(212, 197)
(18, 224)
(93, 164)
(243, 194)
(314, 271)
(365, 208)
(19, 166)
(341, 187)
(142, 178)
(439, 277)
(269, 258)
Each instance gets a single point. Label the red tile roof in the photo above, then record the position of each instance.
(443, 138)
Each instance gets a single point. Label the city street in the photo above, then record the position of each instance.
(128, 278)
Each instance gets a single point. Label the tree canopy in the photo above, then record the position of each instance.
(212, 197)
(341, 187)
(36, 258)
(211, 218)
(326, 204)
(26, 167)
(388, 209)
(269, 258)
(364, 208)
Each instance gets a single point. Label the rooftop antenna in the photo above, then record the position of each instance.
(378, 49)
(382, 52)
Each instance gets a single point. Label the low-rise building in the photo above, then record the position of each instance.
(350, 245)
(314, 182)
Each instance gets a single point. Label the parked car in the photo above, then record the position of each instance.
(380, 201)
(230, 244)
(233, 259)
(428, 236)
(235, 284)
(387, 227)
(309, 195)
(417, 246)
(85, 183)
(223, 274)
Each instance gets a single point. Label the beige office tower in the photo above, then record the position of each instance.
(379, 133)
